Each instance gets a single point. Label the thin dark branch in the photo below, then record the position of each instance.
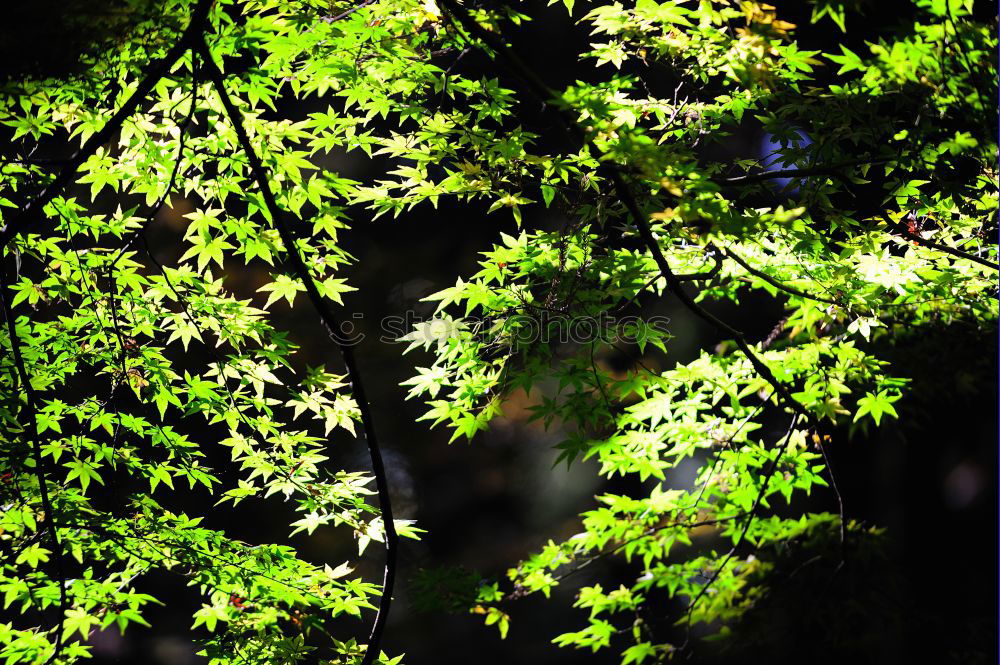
(31, 215)
(646, 534)
(298, 266)
(901, 230)
(751, 514)
(541, 90)
(600, 384)
(519, 592)
(192, 319)
(178, 158)
(819, 169)
(104, 530)
(707, 274)
(646, 233)
(345, 14)
(775, 283)
(838, 496)
(31, 427)
(776, 331)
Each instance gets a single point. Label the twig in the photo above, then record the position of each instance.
(646, 233)
(898, 229)
(819, 169)
(773, 282)
(189, 315)
(840, 501)
(774, 334)
(345, 14)
(105, 531)
(707, 274)
(751, 514)
(518, 593)
(178, 158)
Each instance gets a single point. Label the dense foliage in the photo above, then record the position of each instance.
(874, 218)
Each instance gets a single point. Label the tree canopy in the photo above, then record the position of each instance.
(869, 218)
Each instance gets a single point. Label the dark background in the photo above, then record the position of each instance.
(928, 477)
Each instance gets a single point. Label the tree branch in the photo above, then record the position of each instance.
(331, 322)
(819, 169)
(345, 14)
(43, 488)
(773, 282)
(750, 515)
(646, 233)
(899, 229)
(31, 215)
(179, 157)
(707, 274)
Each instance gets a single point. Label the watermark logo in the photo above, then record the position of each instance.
(521, 329)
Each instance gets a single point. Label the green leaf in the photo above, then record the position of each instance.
(283, 286)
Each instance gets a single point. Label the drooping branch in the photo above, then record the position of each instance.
(674, 283)
(620, 547)
(717, 259)
(901, 230)
(31, 428)
(186, 310)
(182, 129)
(344, 14)
(331, 322)
(31, 215)
(646, 233)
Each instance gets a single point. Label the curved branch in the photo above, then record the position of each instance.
(646, 233)
(36, 448)
(707, 274)
(345, 14)
(31, 215)
(750, 515)
(652, 531)
(330, 321)
(175, 169)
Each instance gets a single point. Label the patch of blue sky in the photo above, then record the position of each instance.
(787, 151)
